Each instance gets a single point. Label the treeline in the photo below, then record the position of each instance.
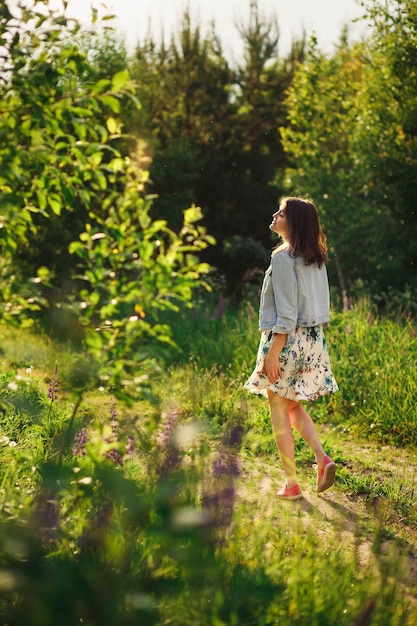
(340, 127)
(233, 139)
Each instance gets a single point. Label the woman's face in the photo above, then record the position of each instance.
(279, 222)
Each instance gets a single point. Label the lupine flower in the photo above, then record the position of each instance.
(171, 421)
(113, 415)
(130, 445)
(233, 437)
(219, 496)
(170, 452)
(227, 465)
(219, 492)
(219, 505)
(219, 312)
(54, 385)
(80, 441)
(115, 456)
(220, 466)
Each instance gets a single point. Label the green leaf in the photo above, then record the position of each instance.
(100, 86)
(117, 165)
(75, 247)
(55, 205)
(119, 80)
(113, 125)
(112, 102)
(41, 200)
(101, 179)
(93, 339)
(193, 214)
(96, 158)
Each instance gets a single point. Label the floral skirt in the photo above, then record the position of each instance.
(305, 366)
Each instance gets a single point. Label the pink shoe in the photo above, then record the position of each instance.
(290, 493)
(326, 474)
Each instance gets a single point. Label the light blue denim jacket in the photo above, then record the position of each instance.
(293, 294)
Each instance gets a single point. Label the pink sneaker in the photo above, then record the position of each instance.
(290, 493)
(326, 474)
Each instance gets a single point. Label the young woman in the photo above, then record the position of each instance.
(293, 362)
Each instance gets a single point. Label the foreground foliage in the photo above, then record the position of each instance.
(64, 157)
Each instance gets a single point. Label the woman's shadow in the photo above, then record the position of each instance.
(328, 510)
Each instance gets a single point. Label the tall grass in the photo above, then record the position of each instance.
(146, 514)
(374, 360)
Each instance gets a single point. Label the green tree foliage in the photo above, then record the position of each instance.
(185, 90)
(259, 159)
(262, 81)
(63, 158)
(338, 127)
(134, 268)
(60, 140)
(214, 134)
(321, 111)
(351, 144)
(57, 139)
(385, 138)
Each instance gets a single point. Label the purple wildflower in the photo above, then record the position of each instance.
(233, 437)
(115, 456)
(171, 421)
(130, 447)
(170, 452)
(80, 441)
(225, 465)
(220, 466)
(219, 312)
(219, 505)
(113, 415)
(54, 385)
(228, 500)
(219, 496)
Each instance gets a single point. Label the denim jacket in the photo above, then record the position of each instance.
(293, 294)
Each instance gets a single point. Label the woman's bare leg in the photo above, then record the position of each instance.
(302, 422)
(280, 417)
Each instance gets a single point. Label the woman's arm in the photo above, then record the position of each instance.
(284, 285)
(271, 366)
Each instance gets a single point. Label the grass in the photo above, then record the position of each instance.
(184, 529)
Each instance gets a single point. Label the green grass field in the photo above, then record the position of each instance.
(164, 512)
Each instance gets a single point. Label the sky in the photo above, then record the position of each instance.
(324, 18)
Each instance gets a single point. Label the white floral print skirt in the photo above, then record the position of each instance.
(305, 366)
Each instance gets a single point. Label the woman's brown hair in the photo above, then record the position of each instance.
(305, 234)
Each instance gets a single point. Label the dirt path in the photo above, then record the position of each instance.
(373, 500)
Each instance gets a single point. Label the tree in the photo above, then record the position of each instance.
(262, 82)
(352, 149)
(62, 154)
(322, 109)
(213, 134)
(385, 140)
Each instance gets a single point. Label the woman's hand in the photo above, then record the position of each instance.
(271, 365)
